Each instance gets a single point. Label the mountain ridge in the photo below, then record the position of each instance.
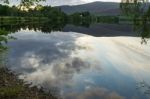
(96, 8)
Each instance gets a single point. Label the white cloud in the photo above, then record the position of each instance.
(63, 2)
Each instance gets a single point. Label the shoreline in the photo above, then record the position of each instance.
(13, 88)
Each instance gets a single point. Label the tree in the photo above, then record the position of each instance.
(136, 9)
(133, 7)
(4, 10)
(26, 3)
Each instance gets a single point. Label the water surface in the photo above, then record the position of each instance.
(80, 66)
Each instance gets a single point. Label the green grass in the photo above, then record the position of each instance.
(10, 91)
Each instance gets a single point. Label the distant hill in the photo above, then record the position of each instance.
(96, 8)
(104, 8)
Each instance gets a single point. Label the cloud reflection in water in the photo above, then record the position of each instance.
(81, 65)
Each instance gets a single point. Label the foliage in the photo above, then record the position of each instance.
(53, 13)
(10, 91)
(82, 18)
(131, 9)
(4, 37)
(26, 3)
(108, 19)
(140, 15)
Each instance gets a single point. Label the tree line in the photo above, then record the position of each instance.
(52, 13)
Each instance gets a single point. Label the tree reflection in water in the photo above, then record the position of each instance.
(3, 49)
(3, 39)
(48, 54)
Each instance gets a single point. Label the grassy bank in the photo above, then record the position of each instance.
(12, 88)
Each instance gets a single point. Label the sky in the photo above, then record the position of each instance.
(74, 2)
(65, 2)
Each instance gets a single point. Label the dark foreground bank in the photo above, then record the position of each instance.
(13, 88)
